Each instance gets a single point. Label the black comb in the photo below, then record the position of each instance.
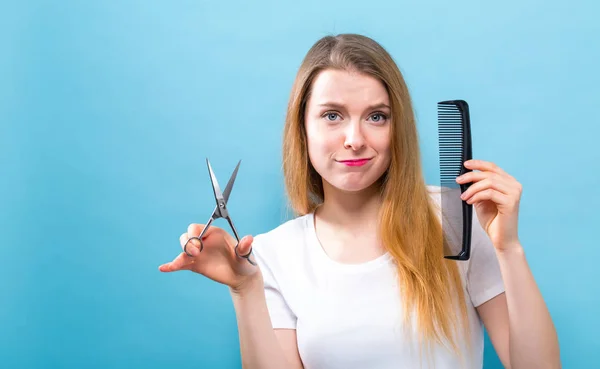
(454, 128)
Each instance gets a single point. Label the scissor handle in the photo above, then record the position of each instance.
(199, 238)
(247, 257)
(188, 241)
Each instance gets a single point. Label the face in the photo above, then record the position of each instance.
(348, 129)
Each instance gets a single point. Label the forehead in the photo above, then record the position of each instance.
(347, 87)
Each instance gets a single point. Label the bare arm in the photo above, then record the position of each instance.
(261, 346)
(518, 322)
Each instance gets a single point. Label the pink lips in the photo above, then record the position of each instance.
(355, 163)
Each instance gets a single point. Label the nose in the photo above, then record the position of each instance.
(354, 137)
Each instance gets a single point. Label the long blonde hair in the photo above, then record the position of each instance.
(410, 228)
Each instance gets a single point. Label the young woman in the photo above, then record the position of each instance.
(358, 278)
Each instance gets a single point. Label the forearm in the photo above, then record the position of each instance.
(533, 341)
(258, 344)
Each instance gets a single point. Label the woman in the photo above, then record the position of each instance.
(357, 279)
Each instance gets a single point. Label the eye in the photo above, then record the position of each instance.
(330, 116)
(378, 117)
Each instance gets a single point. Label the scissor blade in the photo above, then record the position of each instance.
(215, 183)
(230, 183)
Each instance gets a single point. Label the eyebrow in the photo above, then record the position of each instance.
(341, 106)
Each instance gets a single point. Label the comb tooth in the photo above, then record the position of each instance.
(451, 139)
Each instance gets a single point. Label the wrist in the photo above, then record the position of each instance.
(248, 287)
(510, 249)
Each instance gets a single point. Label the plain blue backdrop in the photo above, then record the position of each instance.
(109, 109)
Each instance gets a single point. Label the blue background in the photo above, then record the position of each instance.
(109, 109)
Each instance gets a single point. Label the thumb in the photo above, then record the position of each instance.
(245, 245)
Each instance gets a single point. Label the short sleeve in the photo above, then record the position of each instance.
(484, 279)
(281, 314)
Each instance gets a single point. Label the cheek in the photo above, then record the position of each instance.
(380, 141)
(313, 144)
(320, 141)
(318, 151)
(385, 146)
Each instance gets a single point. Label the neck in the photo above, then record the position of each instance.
(351, 211)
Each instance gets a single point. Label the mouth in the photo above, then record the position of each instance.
(355, 162)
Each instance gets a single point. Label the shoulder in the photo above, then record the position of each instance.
(290, 228)
(282, 241)
(436, 192)
(433, 189)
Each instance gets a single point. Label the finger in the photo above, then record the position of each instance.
(473, 177)
(495, 183)
(483, 165)
(194, 230)
(189, 245)
(478, 176)
(490, 195)
(181, 262)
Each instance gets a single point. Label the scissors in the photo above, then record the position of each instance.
(220, 211)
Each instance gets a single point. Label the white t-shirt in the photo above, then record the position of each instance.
(349, 316)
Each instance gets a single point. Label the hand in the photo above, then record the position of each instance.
(217, 260)
(495, 195)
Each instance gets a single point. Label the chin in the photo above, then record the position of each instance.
(352, 185)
